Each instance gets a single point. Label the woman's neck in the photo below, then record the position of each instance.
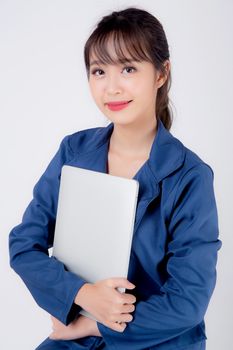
(133, 141)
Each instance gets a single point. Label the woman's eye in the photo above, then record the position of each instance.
(96, 70)
(129, 68)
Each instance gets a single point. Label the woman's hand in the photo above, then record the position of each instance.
(79, 328)
(108, 305)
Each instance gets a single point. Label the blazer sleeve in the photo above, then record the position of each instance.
(191, 269)
(49, 282)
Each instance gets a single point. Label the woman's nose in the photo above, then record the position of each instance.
(113, 84)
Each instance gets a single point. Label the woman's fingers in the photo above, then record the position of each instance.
(122, 318)
(126, 308)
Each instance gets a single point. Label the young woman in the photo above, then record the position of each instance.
(172, 271)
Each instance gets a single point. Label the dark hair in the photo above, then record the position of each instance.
(144, 39)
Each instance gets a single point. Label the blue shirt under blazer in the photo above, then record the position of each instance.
(174, 249)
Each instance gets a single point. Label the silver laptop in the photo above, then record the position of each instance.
(94, 224)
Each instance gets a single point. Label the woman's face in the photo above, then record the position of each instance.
(137, 82)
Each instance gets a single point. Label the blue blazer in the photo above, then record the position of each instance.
(174, 249)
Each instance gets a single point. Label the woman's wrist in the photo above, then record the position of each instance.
(81, 295)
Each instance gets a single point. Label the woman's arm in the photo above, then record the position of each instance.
(191, 269)
(51, 285)
(79, 328)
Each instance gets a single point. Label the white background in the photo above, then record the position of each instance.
(45, 95)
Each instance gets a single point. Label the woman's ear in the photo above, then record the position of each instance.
(162, 76)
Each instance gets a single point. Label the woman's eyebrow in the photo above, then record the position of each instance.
(121, 61)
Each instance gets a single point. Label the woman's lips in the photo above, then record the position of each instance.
(116, 106)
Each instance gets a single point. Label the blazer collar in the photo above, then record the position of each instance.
(166, 155)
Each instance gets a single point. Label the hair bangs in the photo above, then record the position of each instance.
(125, 45)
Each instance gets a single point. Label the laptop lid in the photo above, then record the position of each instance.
(94, 223)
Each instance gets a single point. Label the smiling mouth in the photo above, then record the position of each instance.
(119, 106)
(118, 103)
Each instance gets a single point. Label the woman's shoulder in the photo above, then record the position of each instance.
(84, 140)
(173, 158)
(193, 161)
(192, 168)
(193, 178)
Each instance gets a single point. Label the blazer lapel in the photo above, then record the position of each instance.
(166, 155)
